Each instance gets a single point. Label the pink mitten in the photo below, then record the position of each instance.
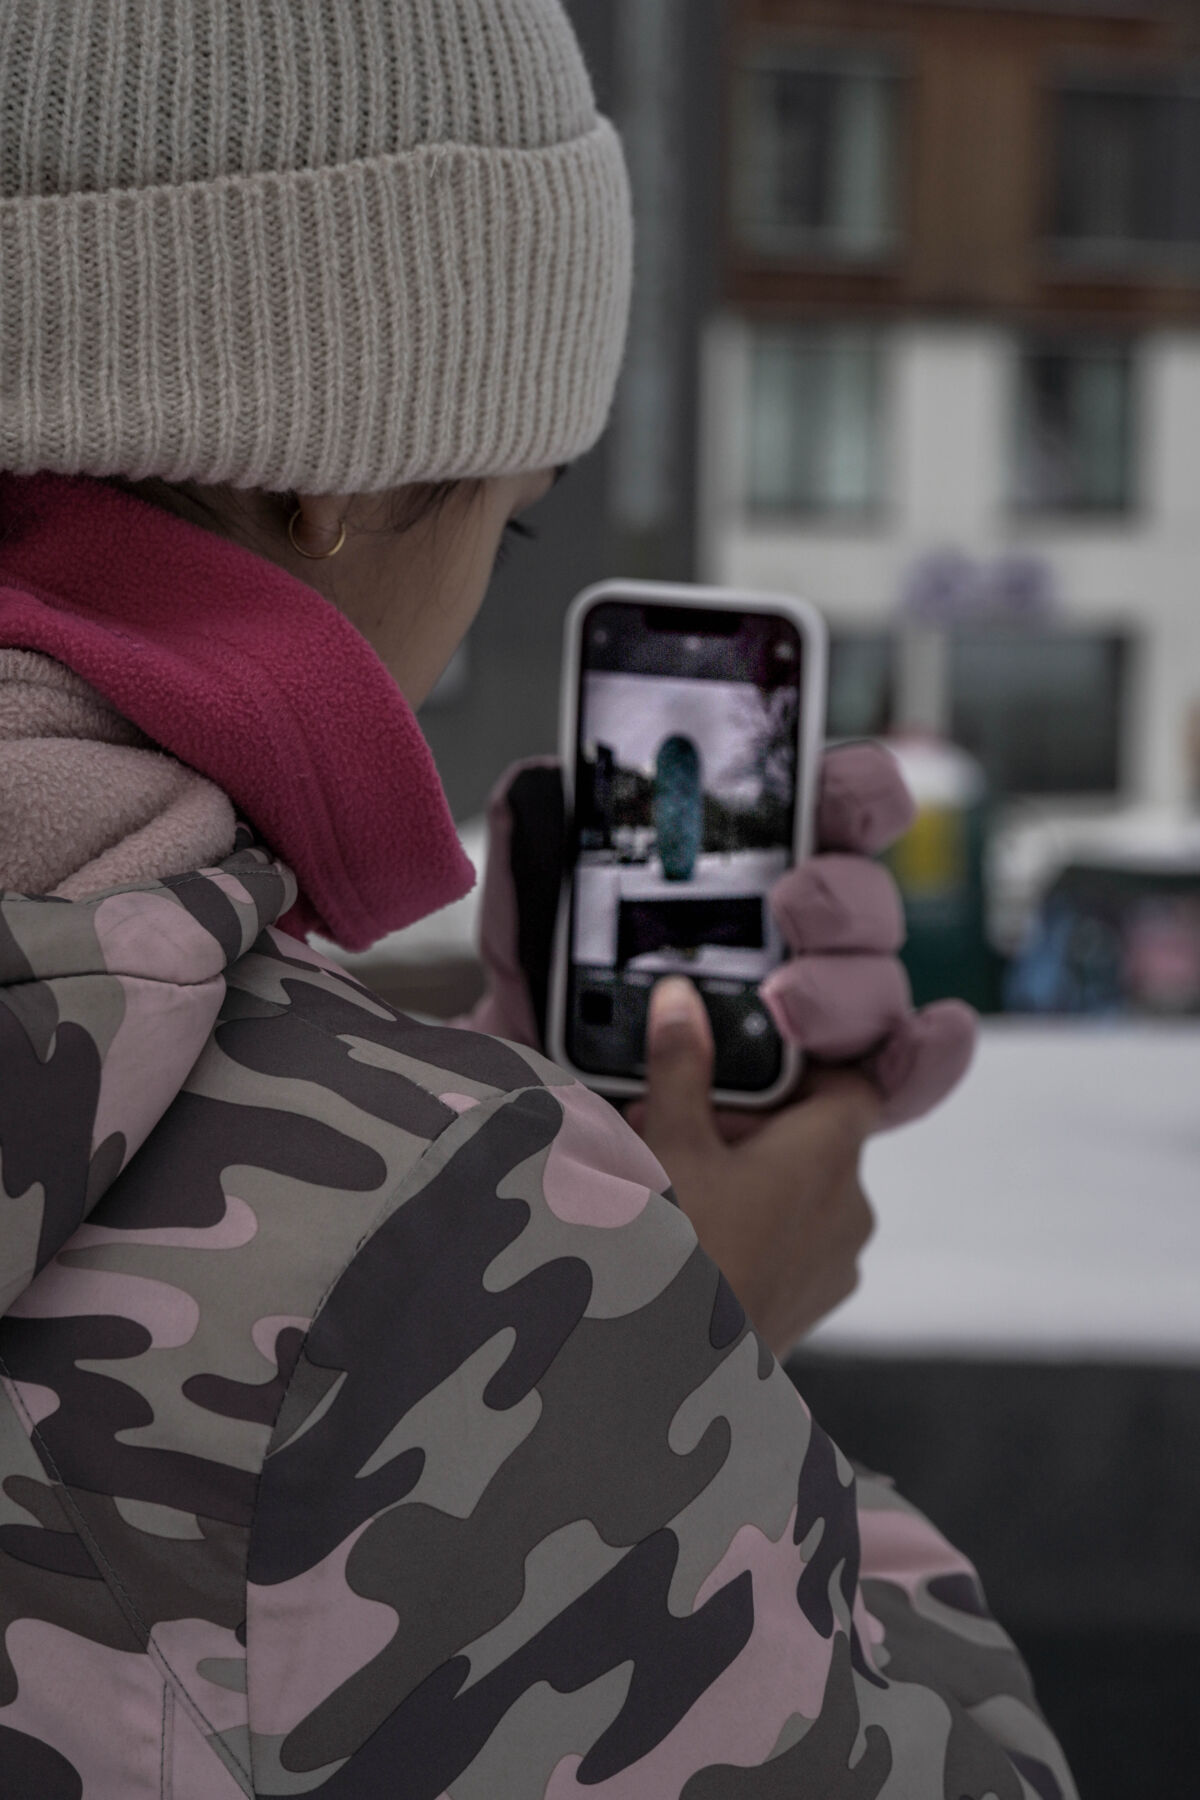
(844, 997)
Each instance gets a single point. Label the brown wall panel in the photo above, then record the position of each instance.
(975, 143)
(977, 160)
(1048, 27)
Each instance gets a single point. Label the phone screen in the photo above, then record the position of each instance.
(685, 817)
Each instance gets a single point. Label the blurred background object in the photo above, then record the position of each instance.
(952, 392)
(1023, 1356)
(917, 336)
(939, 867)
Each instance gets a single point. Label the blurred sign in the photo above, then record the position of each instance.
(948, 587)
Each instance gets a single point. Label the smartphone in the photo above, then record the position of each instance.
(692, 725)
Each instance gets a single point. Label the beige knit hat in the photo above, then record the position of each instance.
(322, 245)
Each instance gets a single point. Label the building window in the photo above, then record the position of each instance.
(1074, 436)
(1126, 176)
(1042, 711)
(816, 158)
(815, 420)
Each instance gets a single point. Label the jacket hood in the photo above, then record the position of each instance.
(247, 676)
(105, 1006)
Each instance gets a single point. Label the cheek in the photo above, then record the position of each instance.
(470, 570)
(477, 569)
(454, 592)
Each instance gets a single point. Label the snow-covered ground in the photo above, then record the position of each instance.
(1051, 1209)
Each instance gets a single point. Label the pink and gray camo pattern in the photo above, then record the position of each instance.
(375, 1426)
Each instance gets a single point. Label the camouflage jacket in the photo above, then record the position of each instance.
(374, 1425)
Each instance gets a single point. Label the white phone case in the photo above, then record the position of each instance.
(811, 724)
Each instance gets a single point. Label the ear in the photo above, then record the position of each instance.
(319, 518)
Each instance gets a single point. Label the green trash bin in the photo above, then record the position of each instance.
(939, 865)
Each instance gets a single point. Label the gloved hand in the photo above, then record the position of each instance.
(776, 1200)
(843, 998)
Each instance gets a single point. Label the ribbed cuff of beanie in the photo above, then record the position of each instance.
(447, 311)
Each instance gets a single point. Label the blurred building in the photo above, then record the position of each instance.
(953, 391)
(916, 334)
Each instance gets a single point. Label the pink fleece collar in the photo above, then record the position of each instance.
(248, 676)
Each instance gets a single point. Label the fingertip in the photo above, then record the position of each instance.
(949, 1030)
(865, 804)
(839, 901)
(677, 1115)
(925, 1059)
(677, 1014)
(952, 1017)
(838, 1007)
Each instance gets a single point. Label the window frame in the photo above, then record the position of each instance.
(1126, 642)
(875, 510)
(781, 243)
(1116, 633)
(1080, 344)
(1132, 258)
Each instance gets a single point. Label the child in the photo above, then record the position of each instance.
(373, 1422)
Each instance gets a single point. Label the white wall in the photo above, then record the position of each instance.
(948, 411)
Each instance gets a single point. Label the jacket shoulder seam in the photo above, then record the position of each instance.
(386, 1207)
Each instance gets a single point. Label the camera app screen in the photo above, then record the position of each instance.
(685, 819)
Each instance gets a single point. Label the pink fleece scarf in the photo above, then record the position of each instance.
(248, 676)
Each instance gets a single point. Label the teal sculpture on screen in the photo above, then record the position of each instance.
(678, 808)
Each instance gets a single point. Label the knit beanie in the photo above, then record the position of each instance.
(328, 246)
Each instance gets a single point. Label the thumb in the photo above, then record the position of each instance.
(679, 1069)
(848, 1099)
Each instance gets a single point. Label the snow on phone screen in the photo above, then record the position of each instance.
(685, 782)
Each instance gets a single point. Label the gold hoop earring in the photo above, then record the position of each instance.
(314, 555)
